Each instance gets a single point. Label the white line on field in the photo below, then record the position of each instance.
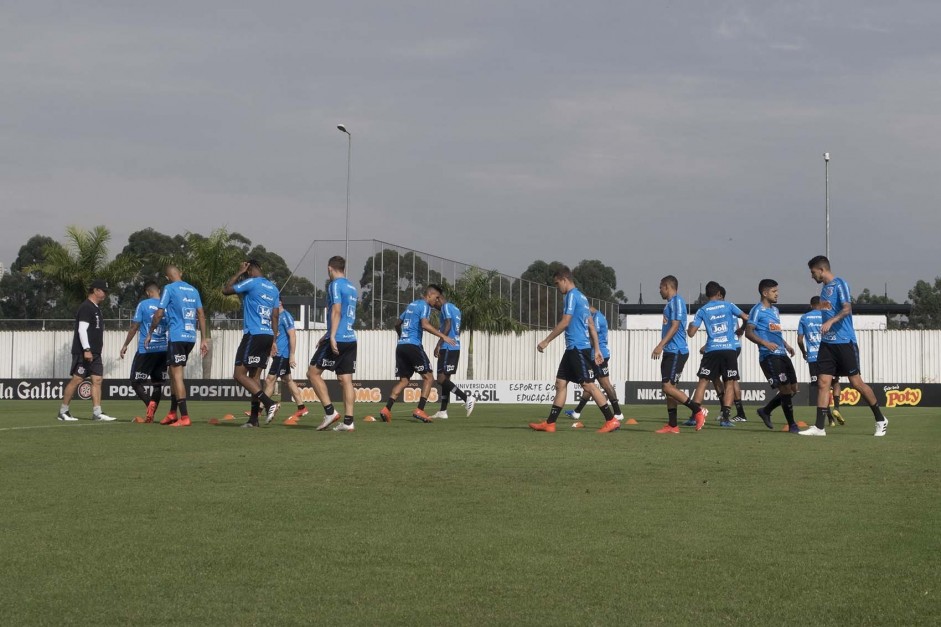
(90, 424)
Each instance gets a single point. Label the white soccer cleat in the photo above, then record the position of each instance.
(66, 417)
(328, 420)
(881, 428)
(104, 418)
(344, 427)
(470, 403)
(813, 430)
(272, 411)
(441, 415)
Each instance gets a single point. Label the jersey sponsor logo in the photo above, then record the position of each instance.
(774, 326)
(177, 359)
(827, 305)
(254, 359)
(189, 313)
(720, 328)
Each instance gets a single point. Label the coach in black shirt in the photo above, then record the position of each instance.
(87, 343)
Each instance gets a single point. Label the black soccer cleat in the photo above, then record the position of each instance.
(765, 418)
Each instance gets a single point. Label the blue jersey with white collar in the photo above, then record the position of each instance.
(259, 299)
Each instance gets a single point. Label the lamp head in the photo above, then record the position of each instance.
(342, 129)
(826, 156)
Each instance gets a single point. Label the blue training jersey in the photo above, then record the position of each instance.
(449, 311)
(719, 319)
(343, 292)
(180, 302)
(285, 324)
(259, 299)
(767, 323)
(411, 322)
(675, 310)
(143, 315)
(601, 327)
(576, 333)
(833, 295)
(809, 327)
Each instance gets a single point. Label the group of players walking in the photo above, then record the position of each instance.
(166, 331)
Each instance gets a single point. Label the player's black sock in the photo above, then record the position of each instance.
(616, 407)
(174, 403)
(445, 401)
(389, 403)
(822, 415)
(726, 412)
(877, 413)
(836, 400)
(182, 404)
(606, 412)
(157, 395)
(347, 420)
(301, 407)
(693, 407)
(739, 408)
(460, 394)
(554, 414)
(773, 404)
(142, 394)
(671, 416)
(446, 388)
(328, 410)
(787, 404)
(265, 400)
(256, 409)
(582, 403)
(421, 403)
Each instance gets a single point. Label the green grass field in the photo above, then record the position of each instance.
(466, 521)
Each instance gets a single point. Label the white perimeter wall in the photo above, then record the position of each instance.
(887, 356)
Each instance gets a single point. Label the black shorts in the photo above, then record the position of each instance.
(254, 350)
(576, 366)
(83, 368)
(601, 372)
(151, 366)
(447, 360)
(409, 359)
(178, 353)
(344, 363)
(719, 364)
(838, 360)
(778, 370)
(671, 366)
(280, 367)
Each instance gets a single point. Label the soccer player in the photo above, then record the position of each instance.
(720, 358)
(410, 356)
(739, 408)
(283, 361)
(337, 348)
(581, 338)
(87, 343)
(808, 340)
(839, 353)
(182, 305)
(774, 354)
(675, 351)
(602, 371)
(448, 356)
(150, 362)
(260, 300)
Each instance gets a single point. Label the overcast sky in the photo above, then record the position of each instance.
(660, 137)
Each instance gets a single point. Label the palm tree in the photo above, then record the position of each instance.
(81, 260)
(482, 308)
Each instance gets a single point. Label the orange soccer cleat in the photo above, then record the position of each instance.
(151, 410)
(170, 419)
(182, 422)
(668, 429)
(610, 425)
(385, 414)
(548, 427)
(700, 418)
(420, 414)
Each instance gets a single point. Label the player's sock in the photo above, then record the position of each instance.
(347, 420)
(174, 403)
(265, 400)
(739, 408)
(328, 409)
(445, 400)
(459, 393)
(726, 412)
(787, 404)
(616, 407)
(693, 407)
(389, 403)
(582, 403)
(182, 405)
(63, 409)
(256, 409)
(142, 394)
(836, 400)
(671, 416)
(157, 396)
(773, 404)
(301, 407)
(606, 411)
(554, 414)
(421, 403)
(877, 413)
(822, 414)
(96, 410)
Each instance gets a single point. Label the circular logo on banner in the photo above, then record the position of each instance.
(84, 390)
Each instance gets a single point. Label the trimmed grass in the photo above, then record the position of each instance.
(467, 521)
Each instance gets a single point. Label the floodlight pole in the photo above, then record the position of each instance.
(826, 170)
(349, 160)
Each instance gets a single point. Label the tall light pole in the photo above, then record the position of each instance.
(349, 160)
(826, 173)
